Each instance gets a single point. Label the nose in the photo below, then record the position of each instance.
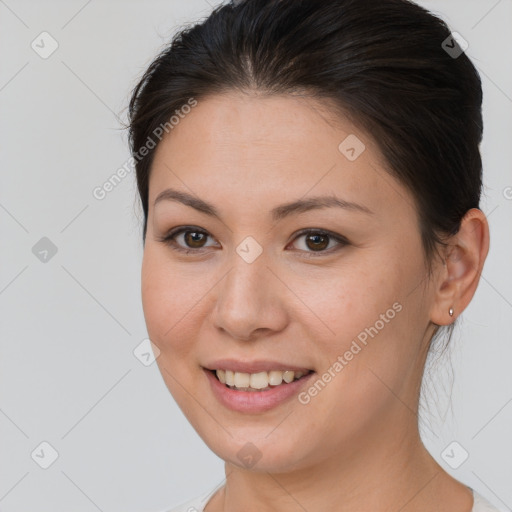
(250, 300)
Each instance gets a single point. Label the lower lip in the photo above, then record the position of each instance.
(255, 401)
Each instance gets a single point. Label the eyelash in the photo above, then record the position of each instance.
(169, 239)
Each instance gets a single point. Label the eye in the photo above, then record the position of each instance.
(317, 241)
(193, 237)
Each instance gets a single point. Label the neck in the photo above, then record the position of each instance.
(385, 469)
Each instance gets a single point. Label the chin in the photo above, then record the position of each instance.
(254, 449)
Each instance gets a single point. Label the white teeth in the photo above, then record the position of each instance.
(260, 380)
(230, 378)
(288, 376)
(222, 375)
(275, 378)
(242, 380)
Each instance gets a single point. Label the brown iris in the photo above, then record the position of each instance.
(194, 237)
(316, 243)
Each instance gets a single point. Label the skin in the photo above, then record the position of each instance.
(355, 445)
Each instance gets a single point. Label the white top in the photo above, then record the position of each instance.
(199, 503)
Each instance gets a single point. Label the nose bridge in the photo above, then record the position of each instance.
(244, 283)
(246, 299)
(248, 266)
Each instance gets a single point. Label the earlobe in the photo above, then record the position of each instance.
(466, 253)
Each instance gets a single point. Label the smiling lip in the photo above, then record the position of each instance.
(253, 366)
(254, 401)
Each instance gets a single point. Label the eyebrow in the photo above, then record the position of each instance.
(278, 213)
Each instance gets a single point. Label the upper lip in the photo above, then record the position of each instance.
(255, 366)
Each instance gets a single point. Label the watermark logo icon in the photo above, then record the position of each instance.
(351, 147)
(454, 45)
(249, 249)
(249, 455)
(44, 45)
(44, 455)
(44, 250)
(455, 455)
(146, 352)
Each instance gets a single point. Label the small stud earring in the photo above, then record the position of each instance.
(450, 311)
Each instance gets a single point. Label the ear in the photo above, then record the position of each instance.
(464, 260)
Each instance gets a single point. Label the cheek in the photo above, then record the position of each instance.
(367, 311)
(344, 300)
(176, 298)
(168, 311)
(164, 301)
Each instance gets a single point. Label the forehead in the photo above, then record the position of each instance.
(238, 147)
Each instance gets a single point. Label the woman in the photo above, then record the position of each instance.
(310, 178)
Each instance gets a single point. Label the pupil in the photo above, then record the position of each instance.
(194, 237)
(316, 237)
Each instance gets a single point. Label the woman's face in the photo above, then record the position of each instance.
(253, 290)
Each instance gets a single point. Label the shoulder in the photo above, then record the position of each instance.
(196, 504)
(481, 504)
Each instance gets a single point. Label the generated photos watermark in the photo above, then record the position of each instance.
(101, 191)
(344, 359)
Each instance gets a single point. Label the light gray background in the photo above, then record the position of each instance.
(68, 375)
